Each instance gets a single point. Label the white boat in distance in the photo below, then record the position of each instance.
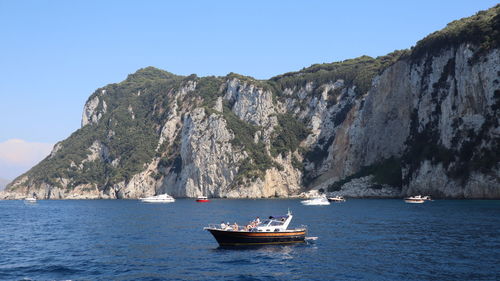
(336, 199)
(162, 198)
(202, 199)
(30, 200)
(318, 201)
(417, 199)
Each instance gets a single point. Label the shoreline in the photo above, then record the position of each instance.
(270, 198)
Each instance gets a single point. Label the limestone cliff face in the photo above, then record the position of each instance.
(207, 160)
(432, 114)
(408, 123)
(456, 108)
(250, 103)
(91, 114)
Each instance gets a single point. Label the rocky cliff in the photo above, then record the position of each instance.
(416, 121)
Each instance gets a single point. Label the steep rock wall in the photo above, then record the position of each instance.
(422, 121)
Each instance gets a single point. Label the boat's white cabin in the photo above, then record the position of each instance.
(274, 224)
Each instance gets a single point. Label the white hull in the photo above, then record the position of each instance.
(414, 201)
(156, 201)
(418, 199)
(162, 198)
(336, 199)
(29, 200)
(316, 202)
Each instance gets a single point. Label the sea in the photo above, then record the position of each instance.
(361, 239)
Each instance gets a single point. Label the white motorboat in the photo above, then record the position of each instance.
(417, 199)
(162, 198)
(202, 199)
(336, 199)
(318, 201)
(30, 200)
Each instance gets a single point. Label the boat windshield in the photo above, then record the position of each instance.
(273, 222)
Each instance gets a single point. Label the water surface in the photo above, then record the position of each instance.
(358, 239)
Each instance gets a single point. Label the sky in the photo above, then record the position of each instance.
(55, 54)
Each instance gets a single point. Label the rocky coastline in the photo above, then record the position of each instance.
(419, 121)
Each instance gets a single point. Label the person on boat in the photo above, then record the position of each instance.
(257, 221)
(235, 227)
(222, 225)
(251, 224)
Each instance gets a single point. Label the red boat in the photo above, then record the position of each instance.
(202, 199)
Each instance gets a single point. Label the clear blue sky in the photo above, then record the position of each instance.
(54, 54)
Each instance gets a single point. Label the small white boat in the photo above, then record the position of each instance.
(202, 199)
(30, 200)
(162, 198)
(336, 199)
(318, 201)
(417, 199)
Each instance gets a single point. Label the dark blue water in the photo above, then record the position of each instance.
(359, 239)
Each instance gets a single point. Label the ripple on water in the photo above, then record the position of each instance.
(359, 239)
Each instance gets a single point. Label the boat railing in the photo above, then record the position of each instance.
(227, 227)
(231, 228)
(242, 228)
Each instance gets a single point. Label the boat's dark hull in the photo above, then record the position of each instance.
(242, 238)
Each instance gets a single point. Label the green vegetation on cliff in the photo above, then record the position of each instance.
(133, 112)
(357, 72)
(127, 130)
(288, 134)
(258, 161)
(482, 30)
